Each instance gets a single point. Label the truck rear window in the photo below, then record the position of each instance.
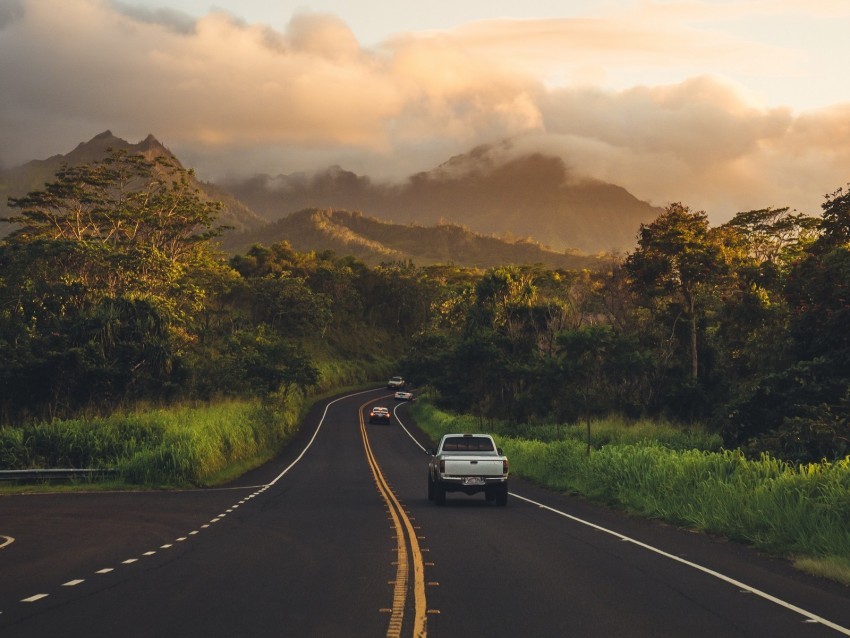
(468, 444)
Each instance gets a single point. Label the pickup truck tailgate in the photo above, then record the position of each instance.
(472, 466)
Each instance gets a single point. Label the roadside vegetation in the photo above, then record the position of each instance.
(681, 476)
(129, 340)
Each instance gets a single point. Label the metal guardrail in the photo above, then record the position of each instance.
(55, 473)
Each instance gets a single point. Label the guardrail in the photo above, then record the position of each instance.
(56, 474)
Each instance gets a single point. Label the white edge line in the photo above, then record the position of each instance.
(313, 438)
(395, 414)
(706, 570)
(807, 614)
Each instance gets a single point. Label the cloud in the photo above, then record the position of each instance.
(176, 21)
(10, 11)
(230, 97)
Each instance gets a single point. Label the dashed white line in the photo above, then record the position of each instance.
(7, 540)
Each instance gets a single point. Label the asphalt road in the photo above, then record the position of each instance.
(337, 538)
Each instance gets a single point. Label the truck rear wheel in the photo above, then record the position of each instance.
(502, 495)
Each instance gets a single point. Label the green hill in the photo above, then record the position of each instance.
(374, 241)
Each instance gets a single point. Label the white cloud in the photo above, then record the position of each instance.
(232, 97)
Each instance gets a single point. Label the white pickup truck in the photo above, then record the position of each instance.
(469, 463)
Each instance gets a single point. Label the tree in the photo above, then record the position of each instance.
(125, 225)
(677, 264)
(835, 222)
(100, 280)
(798, 410)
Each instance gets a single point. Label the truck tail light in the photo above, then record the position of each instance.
(505, 466)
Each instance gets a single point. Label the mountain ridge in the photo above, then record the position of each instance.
(491, 194)
(491, 190)
(374, 241)
(33, 175)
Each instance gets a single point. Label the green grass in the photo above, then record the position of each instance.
(182, 445)
(177, 446)
(682, 476)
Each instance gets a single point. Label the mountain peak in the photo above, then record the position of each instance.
(150, 140)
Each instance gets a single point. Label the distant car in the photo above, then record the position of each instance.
(379, 414)
(403, 395)
(396, 383)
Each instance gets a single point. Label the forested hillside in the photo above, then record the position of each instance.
(490, 190)
(113, 294)
(374, 241)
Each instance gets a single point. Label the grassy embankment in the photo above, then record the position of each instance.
(682, 476)
(205, 444)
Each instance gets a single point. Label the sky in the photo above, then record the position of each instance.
(723, 105)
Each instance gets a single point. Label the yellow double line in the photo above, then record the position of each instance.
(405, 534)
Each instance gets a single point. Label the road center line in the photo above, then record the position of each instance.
(313, 438)
(402, 525)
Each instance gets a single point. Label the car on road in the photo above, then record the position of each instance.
(379, 414)
(403, 395)
(468, 463)
(396, 383)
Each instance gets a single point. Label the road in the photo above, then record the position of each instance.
(336, 537)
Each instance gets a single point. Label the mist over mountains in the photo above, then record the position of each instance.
(487, 190)
(477, 208)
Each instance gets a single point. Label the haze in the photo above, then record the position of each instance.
(725, 106)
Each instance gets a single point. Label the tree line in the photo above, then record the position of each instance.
(113, 292)
(744, 326)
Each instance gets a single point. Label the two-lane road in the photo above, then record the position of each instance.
(337, 538)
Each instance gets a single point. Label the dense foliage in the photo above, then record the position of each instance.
(113, 293)
(743, 326)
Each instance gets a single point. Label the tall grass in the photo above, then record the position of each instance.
(685, 478)
(194, 445)
(161, 447)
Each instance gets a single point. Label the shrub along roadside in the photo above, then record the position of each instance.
(177, 446)
(795, 511)
(205, 444)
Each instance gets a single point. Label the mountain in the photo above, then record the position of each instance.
(453, 213)
(490, 190)
(33, 175)
(374, 241)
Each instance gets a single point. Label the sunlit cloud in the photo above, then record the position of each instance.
(231, 97)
